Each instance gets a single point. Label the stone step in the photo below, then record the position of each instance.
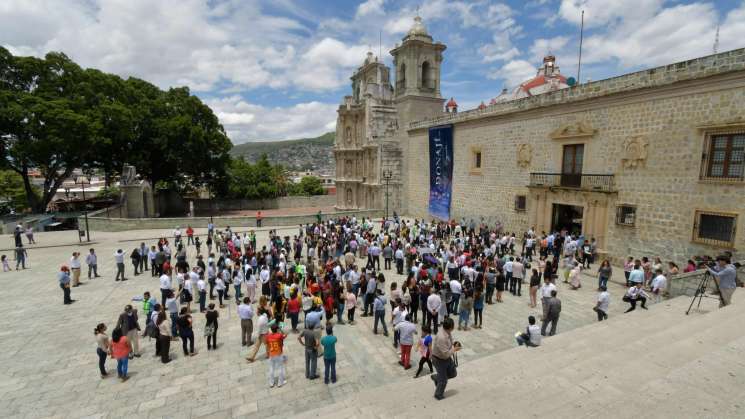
(606, 342)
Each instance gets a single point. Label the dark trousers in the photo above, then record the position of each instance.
(510, 282)
(165, 348)
(423, 361)
(213, 338)
(187, 337)
(489, 292)
(441, 377)
(350, 314)
(369, 299)
(432, 320)
(601, 315)
(518, 285)
(65, 294)
(400, 266)
(311, 360)
(247, 329)
(380, 316)
(387, 263)
(163, 296)
(554, 321)
(202, 300)
(478, 316)
(120, 271)
(220, 294)
(92, 271)
(329, 369)
(633, 303)
(294, 319)
(101, 360)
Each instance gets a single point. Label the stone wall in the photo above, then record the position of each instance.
(202, 206)
(688, 283)
(124, 224)
(672, 116)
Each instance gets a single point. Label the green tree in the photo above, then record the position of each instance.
(308, 186)
(255, 181)
(12, 191)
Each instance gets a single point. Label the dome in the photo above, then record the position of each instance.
(418, 29)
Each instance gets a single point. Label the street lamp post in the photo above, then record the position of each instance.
(82, 180)
(387, 176)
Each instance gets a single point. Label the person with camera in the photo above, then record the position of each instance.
(443, 350)
(725, 276)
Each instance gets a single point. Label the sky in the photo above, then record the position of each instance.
(278, 69)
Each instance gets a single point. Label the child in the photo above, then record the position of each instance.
(329, 355)
(6, 266)
(424, 346)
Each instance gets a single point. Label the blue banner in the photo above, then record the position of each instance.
(440, 171)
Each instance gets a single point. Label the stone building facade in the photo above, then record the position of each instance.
(648, 163)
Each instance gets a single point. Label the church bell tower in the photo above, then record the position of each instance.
(417, 63)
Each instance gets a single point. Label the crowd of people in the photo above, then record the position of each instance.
(330, 270)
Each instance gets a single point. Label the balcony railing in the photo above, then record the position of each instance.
(601, 183)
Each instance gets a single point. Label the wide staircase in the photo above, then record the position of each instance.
(658, 363)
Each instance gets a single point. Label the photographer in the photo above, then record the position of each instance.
(443, 350)
(725, 276)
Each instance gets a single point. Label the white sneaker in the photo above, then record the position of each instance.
(282, 383)
(271, 385)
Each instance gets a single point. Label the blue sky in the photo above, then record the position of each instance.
(278, 69)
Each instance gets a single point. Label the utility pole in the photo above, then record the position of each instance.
(387, 176)
(581, 35)
(82, 180)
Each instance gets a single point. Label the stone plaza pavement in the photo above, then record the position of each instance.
(49, 364)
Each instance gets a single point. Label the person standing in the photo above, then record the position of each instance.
(258, 218)
(552, 314)
(119, 259)
(21, 256)
(604, 274)
(601, 307)
(406, 330)
(134, 257)
(129, 325)
(379, 310)
(434, 304)
(120, 351)
(103, 346)
(329, 355)
(202, 287)
(725, 276)
(189, 235)
(63, 277)
(262, 326)
(546, 290)
(210, 328)
(275, 342)
(30, 234)
(92, 261)
(659, 285)
(165, 285)
(172, 305)
(246, 314)
(442, 357)
(186, 331)
(164, 337)
(75, 268)
(308, 339)
(518, 273)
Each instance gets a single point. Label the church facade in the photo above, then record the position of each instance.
(648, 163)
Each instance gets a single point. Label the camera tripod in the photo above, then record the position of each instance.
(701, 292)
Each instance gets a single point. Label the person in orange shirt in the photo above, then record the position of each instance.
(275, 342)
(258, 219)
(120, 351)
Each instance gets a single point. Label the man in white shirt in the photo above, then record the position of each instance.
(119, 258)
(633, 294)
(455, 291)
(601, 307)
(509, 275)
(75, 268)
(659, 284)
(518, 273)
(546, 289)
(165, 285)
(202, 287)
(177, 235)
(532, 335)
(433, 309)
(246, 314)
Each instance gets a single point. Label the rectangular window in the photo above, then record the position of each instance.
(724, 157)
(715, 228)
(626, 215)
(520, 202)
(477, 160)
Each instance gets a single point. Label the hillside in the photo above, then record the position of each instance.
(303, 154)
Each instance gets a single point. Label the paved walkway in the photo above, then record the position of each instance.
(49, 363)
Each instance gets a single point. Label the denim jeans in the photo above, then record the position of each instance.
(174, 321)
(202, 300)
(311, 360)
(237, 293)
(340, 313)
(380, 316)
(603, 282)
(454, 303)
(463, 317)
(121, 366)
(329, 367)
(276, 367)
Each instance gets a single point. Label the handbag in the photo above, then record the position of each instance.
(209, 330)
(452, 370)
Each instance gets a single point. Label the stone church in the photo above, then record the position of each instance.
(648, 163)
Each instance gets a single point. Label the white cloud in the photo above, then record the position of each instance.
(500, 49)
(370, 7)
(542, 47)
(328, 64)
(244, 121)
(600, 13)
(514, 72)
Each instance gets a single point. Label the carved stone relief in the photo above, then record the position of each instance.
(573, 130)
(350, 196)
(524, 155)
(634, 152)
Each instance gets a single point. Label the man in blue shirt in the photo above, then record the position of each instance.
(369, 294)
(379, 310)
(64, 282)
(725, 276)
